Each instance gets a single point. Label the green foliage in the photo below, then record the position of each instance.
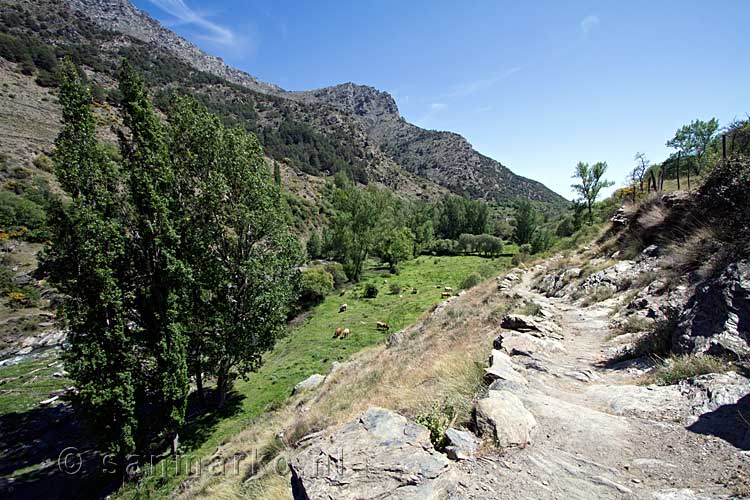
(527, 221)
(444, 247)
(353, 231)
(565, 227)
(168, 264)
(437, 423)
(314, 246)
(471, 281)
(678, 368)
(457, 215)
(371, 291)
(20, 214)
(396, 246)
(694, 139)
(315, 284)
(592, 182)
(336, 270)
(541, 241)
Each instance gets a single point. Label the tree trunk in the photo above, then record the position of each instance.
(222, 384)
(678, 172)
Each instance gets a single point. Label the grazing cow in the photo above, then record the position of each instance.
(414, 291)
(381, 325)
(345, 333)
(448, 289)
(445, 295)
(343, 307)
(337, 333)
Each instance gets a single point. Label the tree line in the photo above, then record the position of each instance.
(173, 255)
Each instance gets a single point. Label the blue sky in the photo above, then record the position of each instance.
(537, 86)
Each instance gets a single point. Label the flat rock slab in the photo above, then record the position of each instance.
(503, 417)
(463, 444)
(502, 368)
(309, 383)
(531, 325)
(379, 455)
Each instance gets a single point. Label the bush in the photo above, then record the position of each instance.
(437, 423)
(525, 249)
(315, 284)
(444, 247)
(679, 368)
(43, 162)
(371, 291)
(314, 246)
(337, 271)
(22, 216)
(471, 281)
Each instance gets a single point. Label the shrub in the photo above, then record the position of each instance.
(525, 249)
(315, 284)
(371, 291)
(600, 294)
(437, 423)
(471, 281)
(679, 368)
(43, 162)
(17, 212)
(337, 271)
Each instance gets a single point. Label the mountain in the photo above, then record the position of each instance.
(444, 157)
(319, 132)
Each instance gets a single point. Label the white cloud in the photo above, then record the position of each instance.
(437, 105)
(434, 108)
(481, 84)
(588, 23)
(183, 14)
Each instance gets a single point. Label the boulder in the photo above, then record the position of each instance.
(716, 319)
(502, 368)
(651, 251)
(462, 444)
(379, 455)
(309, 383)
(502, 417)
(533, 326)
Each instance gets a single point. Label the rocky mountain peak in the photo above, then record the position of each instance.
(360, 100)
(124, 17)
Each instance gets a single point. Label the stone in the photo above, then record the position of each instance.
(379, 455)
(533, 326)
(503, 417)
(716, 319)
(501, 367)
(651, 251)
(462, 444)
(309, 383)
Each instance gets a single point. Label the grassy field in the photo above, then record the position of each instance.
(310, 348)
(25, 384)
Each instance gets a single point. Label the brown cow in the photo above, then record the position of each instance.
(381, 325)
(337, 333)
(345, 333)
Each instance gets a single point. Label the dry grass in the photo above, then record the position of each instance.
(599, 294)
(439, 364)
(678, 368)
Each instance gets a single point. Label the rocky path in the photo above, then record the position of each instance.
(565, 421)
(600, 434)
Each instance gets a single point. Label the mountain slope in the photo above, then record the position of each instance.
(441, 157)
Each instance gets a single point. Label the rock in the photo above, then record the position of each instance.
(379, 455)
(501, 367)
(49, 401)
(521, 343)
(716, 319)
(538, 328)
(620, 218)
(502, 417)
(651, 251)
(463, 444)
(676, 494)
(506, 385)
(395, 339)
(309, 383)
